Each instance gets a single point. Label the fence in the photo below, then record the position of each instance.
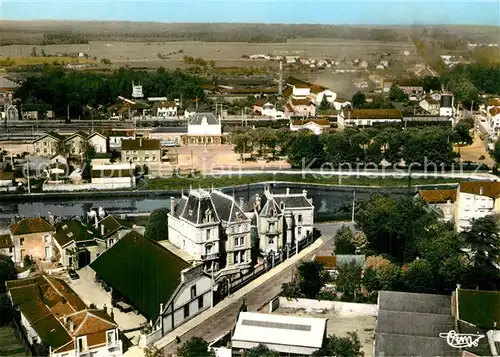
(342, 308)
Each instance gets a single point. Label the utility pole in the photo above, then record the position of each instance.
(29, 183)
(353, 204)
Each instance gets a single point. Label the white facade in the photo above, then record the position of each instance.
(193, 296)
(345, 119)
(112, 347)
(115, 142)
(280, 333)
(471, 207)
(167, 111)
(204, 129)
(300, 92)
(330, 97)
(431, 106)
(310, 125)
(99, 142)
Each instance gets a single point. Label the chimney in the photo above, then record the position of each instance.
(481, 190)
(51, 219)
(65, 319)
(140, 142)
(304, 192)
(287, 191)
(161, 308)
(71, 326)
(96, 222)
(102, 229)
(172, 205)
(242, 202)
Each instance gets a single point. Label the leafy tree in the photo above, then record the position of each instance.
(462, 132)
(305, 151)
(261, 351)
(358, 99)
(349, 346)
(7, 271)
(495, 153)
(418, 277)
(396, 94)
(157, 226)
(431, 83)
(306, 282)
(344, 241)
(324, 105)
(243, 144)
(195, 347)
(349, 280)
(483, 241)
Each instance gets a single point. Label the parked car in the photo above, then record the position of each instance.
(73, 274)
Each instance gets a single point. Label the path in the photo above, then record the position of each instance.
(256, 294)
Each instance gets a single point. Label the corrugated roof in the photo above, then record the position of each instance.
(147, 279)
(282, 331)
(438, 196)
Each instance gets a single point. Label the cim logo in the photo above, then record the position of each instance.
(461, 340)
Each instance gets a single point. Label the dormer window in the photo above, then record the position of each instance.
(65, 227)
(70, 234)
(111, 337)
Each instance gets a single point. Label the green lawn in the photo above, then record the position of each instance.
(224, 181)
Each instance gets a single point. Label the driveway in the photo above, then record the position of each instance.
(92, 293)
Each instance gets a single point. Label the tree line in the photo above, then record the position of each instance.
(59, 89)
(432, 144)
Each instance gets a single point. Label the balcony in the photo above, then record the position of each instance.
(211, 256)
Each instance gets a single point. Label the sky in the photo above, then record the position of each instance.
(370, 12)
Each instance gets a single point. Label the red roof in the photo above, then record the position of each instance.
(296, 102)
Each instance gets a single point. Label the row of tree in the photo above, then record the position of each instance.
(58, 88)
(414, 145)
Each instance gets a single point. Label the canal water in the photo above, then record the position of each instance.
(330, 202)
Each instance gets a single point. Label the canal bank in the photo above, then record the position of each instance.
(331, 202)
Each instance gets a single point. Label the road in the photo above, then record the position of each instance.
(224, 321)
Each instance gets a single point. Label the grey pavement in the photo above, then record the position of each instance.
(268, 287)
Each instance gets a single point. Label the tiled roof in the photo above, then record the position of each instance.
(438, 196)
(81, 134)
(494, 111)
(329, 261)
(317, 121)
(261, 102)
(478, 307)
(146, 280)
(5, 241)
(481, 188)
(494, 101)
(431, 100)
(4, 176)
(296, 102)
(373, 114)
(31, 225)
(141, 144)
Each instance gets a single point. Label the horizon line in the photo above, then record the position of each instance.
(251, 23)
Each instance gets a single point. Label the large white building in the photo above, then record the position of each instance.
(212, 228)
(288, 335)
(282, 220)
(203, 128)
(475, 199)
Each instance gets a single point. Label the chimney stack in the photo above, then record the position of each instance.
(51, 219)
(242, 202)
(481, 190)
(304, 192)
(172, 205)
(287, 191)
(96, 222)
(71, 326)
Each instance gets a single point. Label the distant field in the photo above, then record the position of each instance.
(224, 53)
(24, 61)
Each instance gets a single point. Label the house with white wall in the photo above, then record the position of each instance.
(317, 126)
(32, 237)
(440, 201)
(281, 220)
(99, 142)
(203, 128)
(173, 293)
(430, 105)
(115, 140)
(113, 176)
(368, 117)
(300, 108)
(168, 109)
(53, 316)
(475, 199)
(213, 229)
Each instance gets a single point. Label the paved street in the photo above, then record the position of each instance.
(224, 320)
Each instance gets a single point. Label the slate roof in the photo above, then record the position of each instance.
(113, 224)
(482, 188)
(409, 324)
(226, 207)
(198, 118)
(170, 129)
(53, 134)
(195, 207)
(478, 307)
(293, 201)
(31, 225)
(438, 196)
(73, 230)
(146, 278)
(5, 241)
(141, 144)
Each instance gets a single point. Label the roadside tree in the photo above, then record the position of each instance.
(195, 347)
(349, 346)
